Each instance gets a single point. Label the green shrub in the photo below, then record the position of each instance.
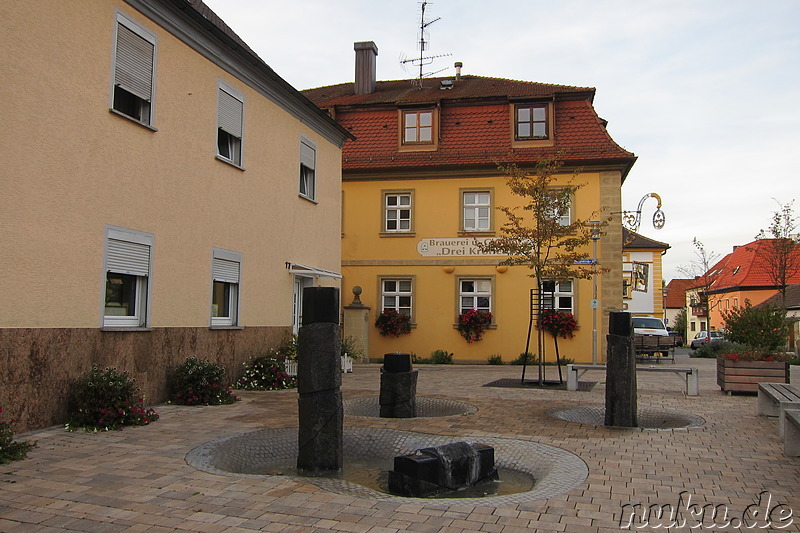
(350, 348)
(495, 359)
(441, 357)
(265, 372)
(524, 358)
(287, 349)
(711, 350)
(763, 329)
(10, 450)
(416, 360)
(200, 382)
(101, 400)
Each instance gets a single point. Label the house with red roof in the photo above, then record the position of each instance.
(744, 274)
(642, 270)
(421, 188)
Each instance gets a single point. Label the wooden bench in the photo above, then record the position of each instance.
(791, 432)
(654, 347)
(775, 398)
(690, 375)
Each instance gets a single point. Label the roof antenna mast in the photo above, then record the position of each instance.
(423, 60)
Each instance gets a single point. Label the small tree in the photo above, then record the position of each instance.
(782, 253)
(681, 323)
(536, 235)
(700, 270)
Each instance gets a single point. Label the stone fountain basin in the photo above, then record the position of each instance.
(554, 470)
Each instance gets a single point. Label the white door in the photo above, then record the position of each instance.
(300, 283)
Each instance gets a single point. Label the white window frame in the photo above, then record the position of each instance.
(562, 290)
(564, 218)
(397, 294)
(418, 126)
(226, 269)
(128, 252)
(230, 124)
(394, 213)
(131, 67)
(472, 211)
(308, 172)
(476, 293)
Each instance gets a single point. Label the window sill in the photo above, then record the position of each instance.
(397, 234)
(228, 162)
(463, 233)
(307, 199)
(120, 329)
(131, 119)
(226, 327)
(490, 326)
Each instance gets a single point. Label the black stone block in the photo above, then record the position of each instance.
(321, 433)
(397, 362)
(319, 363)
(320, 304)
(398, 394)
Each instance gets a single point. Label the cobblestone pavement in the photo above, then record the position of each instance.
(138, 479)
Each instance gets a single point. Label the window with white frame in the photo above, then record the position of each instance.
(308, 174)
(561, 213)
(134, 70)
(397, 294)
(397, 212)
(475, 294)
(225, 274)
(127, 265)
(558, 295)
(477, 210)
(230, 123)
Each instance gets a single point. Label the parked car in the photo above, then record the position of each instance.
(678, 337)
(645, 325)
(702, 338)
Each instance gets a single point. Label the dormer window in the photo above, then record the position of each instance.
(531, 122)
(418, 126)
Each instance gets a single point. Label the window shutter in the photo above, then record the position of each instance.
(125, 257)
(229, 113)
(307, 155)
(225, 271)
(134, 63)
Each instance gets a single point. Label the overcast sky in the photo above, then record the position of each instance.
(705, 92)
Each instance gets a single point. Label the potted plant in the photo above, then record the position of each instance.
(390, 323)
(472, 323)
(755, 351)
(558, 324)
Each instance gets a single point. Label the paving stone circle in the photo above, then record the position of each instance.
(554, 470)
(648, 418)
(369, 406)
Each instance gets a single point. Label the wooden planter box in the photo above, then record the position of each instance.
(744, 376)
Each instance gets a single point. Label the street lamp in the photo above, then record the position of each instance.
(595, 234)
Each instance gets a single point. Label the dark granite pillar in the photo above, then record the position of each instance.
(621, 404)
(398, 393)
(319, 380)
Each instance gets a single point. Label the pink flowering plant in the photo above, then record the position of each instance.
(558, 323)
(390, 323)
(102, 400)
(266, 372)
(472, 323)
(11, 450)
(200, 382)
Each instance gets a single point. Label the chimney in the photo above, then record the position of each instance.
(366, 54)
(458, 70)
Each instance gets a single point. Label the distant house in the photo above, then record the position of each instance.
(792, 304)
(421, 187)
(165, 194)
(642, 275)
(675, 300)
(742, 275)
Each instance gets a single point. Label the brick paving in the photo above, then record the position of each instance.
(138, 480)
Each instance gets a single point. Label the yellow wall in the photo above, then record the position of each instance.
(70, 167)
(437, 210)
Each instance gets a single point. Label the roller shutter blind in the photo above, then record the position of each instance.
(125, 257)
(230, 110)
(225, 271)
(308, 154)
(134, 63)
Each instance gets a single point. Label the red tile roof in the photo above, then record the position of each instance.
(747, 266)
(475, 124)
(676, 292)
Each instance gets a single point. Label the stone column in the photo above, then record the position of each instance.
(319, 381)
(621, 404)
(356, 324)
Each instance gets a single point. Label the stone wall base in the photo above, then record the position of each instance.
(38, 365)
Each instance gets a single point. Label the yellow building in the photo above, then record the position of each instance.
(642, 269)
(421, 186)
(164, 195)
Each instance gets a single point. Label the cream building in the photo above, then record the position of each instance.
(165, 194)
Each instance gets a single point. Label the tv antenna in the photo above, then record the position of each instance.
(423, 60)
